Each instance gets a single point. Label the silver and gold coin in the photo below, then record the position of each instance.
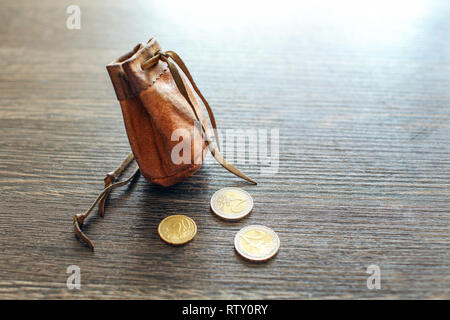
(177, 229)
(257, 243)
(231, 203)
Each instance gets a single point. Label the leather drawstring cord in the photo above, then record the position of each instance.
(78, 219)
(167, 57)
(110, 178)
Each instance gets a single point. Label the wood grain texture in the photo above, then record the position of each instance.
(363, 108)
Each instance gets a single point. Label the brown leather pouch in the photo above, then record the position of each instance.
(153, 108)
(156, 99)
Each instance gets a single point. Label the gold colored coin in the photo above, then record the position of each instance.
(257, 243)
(231, 203)
(177, 229)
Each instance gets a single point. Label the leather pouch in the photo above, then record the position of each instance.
(153, 107)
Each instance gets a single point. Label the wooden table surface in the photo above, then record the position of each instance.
(360, 96)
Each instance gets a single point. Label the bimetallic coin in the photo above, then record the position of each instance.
(231, 203)
(177, 229)
(257, 243)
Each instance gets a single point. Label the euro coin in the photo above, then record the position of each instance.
(177, 229)
(257, 243)
(231, 203)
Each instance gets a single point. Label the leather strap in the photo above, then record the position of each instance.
(168, 56)
(78, 219)
(110, 178)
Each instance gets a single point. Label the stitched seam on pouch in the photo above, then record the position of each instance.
(159, 76)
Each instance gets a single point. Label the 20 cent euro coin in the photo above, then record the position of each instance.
(177, 229)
